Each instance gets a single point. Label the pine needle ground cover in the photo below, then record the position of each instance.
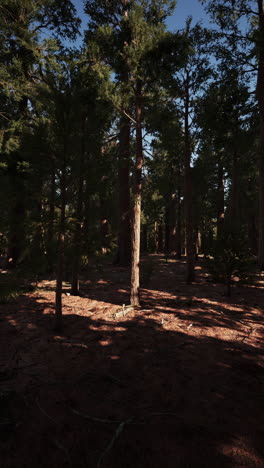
(178, 384)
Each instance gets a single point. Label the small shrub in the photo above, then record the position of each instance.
(12, 286)
(231, 260)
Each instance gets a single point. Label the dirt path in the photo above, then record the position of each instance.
(178, 384)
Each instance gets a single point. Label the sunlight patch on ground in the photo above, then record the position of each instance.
(105, 342)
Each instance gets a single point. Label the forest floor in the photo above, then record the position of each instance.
(179, 383)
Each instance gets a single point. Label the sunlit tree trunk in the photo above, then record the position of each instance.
(135, 259)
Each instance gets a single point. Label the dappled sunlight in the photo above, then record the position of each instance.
(191, 364)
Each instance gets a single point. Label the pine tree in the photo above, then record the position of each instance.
(228, 15)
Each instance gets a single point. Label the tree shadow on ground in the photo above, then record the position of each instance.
(125, 394)
(198, 304)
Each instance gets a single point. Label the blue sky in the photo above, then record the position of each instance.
(183, 9)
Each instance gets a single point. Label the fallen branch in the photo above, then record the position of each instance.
(117, 433)
(122, 312)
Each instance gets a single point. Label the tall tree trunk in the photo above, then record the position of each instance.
(178, 240)
(16, 235)
(160, 237)
(75, 287)
(190, 244)
(38, 241)
(220, 200)
(61, 247)
(124, 236)
(135, 256)
(50, 233)
(167, 228)
(173, 208)
(260, 97)
(156, 237)
(86, 215)
(105, 235)
(170, 222)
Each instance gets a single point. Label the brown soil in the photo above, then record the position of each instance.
(177, 384)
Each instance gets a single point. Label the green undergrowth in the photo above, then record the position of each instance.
(13, 285)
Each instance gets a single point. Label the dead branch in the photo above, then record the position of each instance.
(117, 433)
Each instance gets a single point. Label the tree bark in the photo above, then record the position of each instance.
(75, 286)
(178, 240)
(16, 235)
(167, 228)
(135, 257)
(190, 244)
(220, 200)
(156, 237)
(61, 246)
(173, 208)
(50, 233)
(160, 238)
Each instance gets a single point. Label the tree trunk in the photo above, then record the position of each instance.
(124, 236)
(220, 200)
(260, 97)
(173, 208)
(167, 229)
(190, 244)
(135, 257)
(156, 237)
(50, 233)
(178, 240)
(61, 245)
(160, 238)
(86, 215)
(79, 218)
(105, 234)
(38, 246)
(16, 235)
